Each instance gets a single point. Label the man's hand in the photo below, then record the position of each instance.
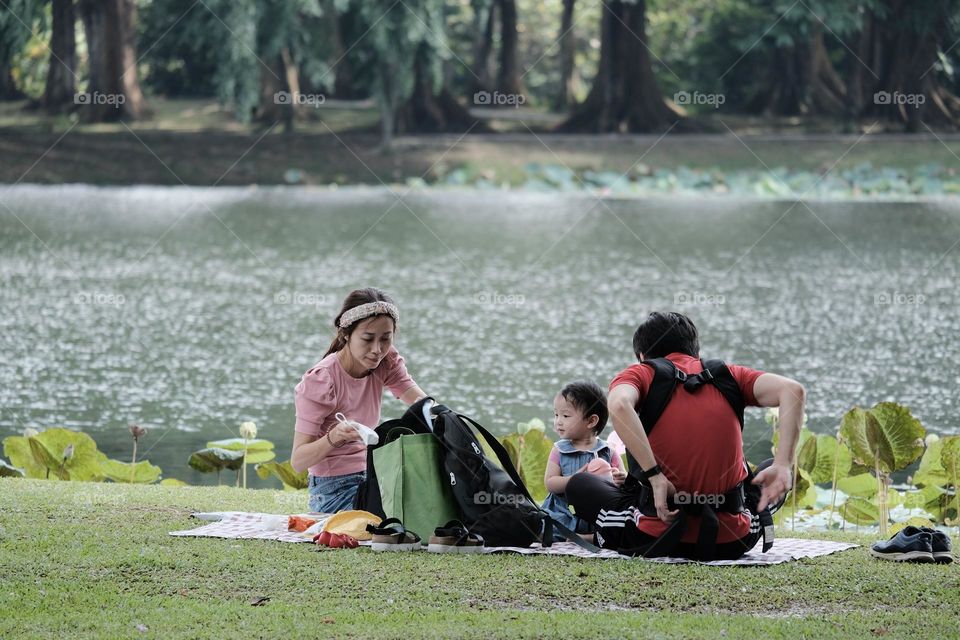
(776, 481)
(663, 489)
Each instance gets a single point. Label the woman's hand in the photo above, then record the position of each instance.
(343, 433)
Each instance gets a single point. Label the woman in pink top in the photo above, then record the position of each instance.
(350, 378)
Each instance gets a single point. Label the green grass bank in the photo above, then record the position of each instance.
(94, 560)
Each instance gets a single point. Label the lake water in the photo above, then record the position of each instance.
(190, 310)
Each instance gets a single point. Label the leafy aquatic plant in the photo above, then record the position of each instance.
(885, 438)
(950, 459)
(62, 454)
(9, 471)
(529, 449)
(284, 472)
(252, 451)
(931, 471)
(216, 459)
(132, 472)
(56, 454)
(139, 473)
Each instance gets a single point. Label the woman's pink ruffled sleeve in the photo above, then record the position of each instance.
(315, 400)
(395, 376)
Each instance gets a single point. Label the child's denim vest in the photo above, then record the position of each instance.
(571, 460)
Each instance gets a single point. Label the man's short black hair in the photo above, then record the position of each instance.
(589, 399)
(663, 333)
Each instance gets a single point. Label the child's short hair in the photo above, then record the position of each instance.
(589, 399)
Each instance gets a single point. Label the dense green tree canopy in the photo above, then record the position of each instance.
(423, 60)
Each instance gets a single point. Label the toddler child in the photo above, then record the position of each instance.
(579, 416)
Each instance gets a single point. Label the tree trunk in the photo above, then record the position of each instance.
(787, 82)
(388, 111)
(135, 106)
(8, 86)
(508, 79)
(278, 100)
(858, 83)
(802, 80)
(625, 95)
(568, 48)
(431, 111)
(61, 86)
(828, 94)
(907, 90)
(485, 12)
(114, 90)
(344, 84)
(101, 80)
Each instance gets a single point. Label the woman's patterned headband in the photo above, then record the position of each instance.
(367, 310)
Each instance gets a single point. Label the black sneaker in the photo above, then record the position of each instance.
(906, 546)
(940, 543)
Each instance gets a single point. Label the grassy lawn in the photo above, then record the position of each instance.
(95, 560)
(199, 143)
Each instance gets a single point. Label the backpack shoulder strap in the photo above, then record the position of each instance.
(726, 384)
(665, 378)
(502, 456)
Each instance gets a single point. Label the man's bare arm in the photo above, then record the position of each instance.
(789, 395)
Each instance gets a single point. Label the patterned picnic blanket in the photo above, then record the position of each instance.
(240, 525)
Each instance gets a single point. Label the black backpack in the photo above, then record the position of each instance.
(492, 499)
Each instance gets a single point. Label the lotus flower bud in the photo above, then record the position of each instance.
(68, 452)
(248, 430)
(137, 431)
(931, 438)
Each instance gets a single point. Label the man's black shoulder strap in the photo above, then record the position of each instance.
(666, 376)
(665, 379)
(717, 373)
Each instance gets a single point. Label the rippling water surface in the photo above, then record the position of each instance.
(189, 310)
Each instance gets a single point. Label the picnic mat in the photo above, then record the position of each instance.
(240, 525)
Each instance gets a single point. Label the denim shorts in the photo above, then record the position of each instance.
(330, 494)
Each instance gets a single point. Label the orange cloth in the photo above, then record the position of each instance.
(297, 523)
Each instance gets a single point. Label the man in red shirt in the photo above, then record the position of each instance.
(695, 450)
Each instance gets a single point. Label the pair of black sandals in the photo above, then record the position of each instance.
(453, 537)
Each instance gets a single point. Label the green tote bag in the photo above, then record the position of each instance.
(412, 483)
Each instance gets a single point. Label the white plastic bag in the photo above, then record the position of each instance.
(367, 435)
